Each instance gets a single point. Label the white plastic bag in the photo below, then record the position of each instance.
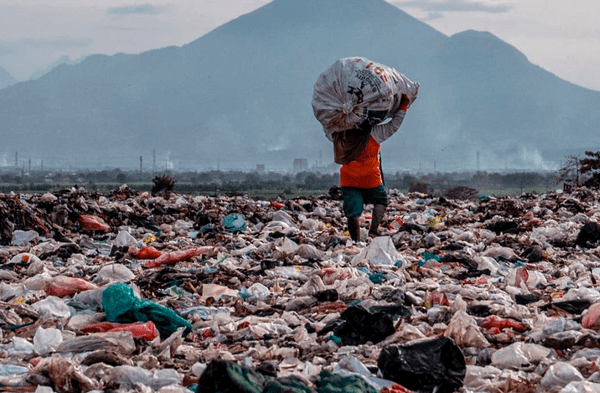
(355, 89)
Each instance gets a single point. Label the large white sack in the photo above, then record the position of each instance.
(355, 89)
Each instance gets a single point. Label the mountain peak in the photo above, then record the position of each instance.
(6, 79)
(484, 42)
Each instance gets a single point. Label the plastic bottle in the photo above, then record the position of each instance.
(396, 224)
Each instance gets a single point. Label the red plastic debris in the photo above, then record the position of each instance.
(591, 319)
(146, 330)
(277, 205)
(66, 286)
(331, 307)
(93, 224)
(144, 252)
(177, 256)
(494, 324)
(207, 333)
(243, 325)
(396, 388)
(433, 298)
(522, 275)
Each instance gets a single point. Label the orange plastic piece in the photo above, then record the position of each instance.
(396, 388)
(144, 252)
(277, 205)
(493, 321)
(93, 224)
(66, 286)
(177, 256)
(146, 330)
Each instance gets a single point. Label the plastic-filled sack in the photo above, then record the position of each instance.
(354, 90)
(436, 365)
(121, 305)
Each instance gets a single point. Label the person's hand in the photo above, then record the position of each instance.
(404, 102)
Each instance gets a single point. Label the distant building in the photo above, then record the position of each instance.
(300, 165)
(260, 168)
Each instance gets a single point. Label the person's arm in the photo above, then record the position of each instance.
(381, 132)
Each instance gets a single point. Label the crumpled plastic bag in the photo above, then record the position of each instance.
(121, 305)
(436, 365)
(222, 376)
(381, 251)
(465, 332)
(93, 224)
(354, 90)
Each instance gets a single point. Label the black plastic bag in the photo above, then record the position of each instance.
(358, 326)
(429, 366)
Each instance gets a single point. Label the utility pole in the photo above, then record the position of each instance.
(16, 159)
(30, 165)
(140, 167)
(153, 160)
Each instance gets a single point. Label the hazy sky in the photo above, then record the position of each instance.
(561, 36)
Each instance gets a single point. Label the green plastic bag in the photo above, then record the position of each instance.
(331, 383)
(234, 222)
(122, 306)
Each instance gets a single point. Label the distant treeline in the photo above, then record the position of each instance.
(240, 181)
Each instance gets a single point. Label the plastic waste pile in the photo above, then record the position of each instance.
(179, 293)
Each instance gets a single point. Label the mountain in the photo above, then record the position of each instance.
(6, 79)
(241, 95)
(63, 60)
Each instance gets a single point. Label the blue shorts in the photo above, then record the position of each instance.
(356, 198)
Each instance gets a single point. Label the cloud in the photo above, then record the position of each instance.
(141, 9)
(436, 9)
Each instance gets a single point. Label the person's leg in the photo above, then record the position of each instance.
(354, 227)
(378, 197)
(377, 216)
(353, 208)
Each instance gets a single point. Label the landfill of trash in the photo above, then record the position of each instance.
(131, 291)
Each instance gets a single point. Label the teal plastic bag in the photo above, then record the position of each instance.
(121, 305)
(332, 383)
(234, 222)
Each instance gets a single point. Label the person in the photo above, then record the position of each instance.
(361, 177)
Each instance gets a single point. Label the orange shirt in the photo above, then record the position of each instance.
(363, 172)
